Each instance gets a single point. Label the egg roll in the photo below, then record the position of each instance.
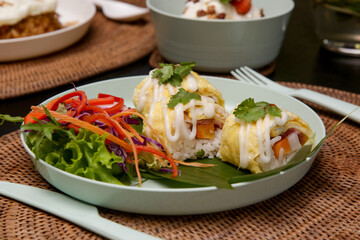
(189, 130)
(264, 144)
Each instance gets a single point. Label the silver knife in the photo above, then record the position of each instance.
(75, 211)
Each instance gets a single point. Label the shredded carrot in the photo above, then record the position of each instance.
(158, 158)
(194, 164)
(131, 129)
(126, 113)
(85, 125)
(128, 135)
(160, 154)
(97, 116)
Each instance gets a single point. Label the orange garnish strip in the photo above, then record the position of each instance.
(85, 125)
(194, 164)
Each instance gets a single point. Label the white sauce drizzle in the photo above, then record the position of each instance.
(192, 83)
(265, 144)
(274, 140)
(209, 107)
(142, 95)
(179, 127)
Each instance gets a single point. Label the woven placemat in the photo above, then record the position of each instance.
(156, 58)
(108, 45)
(325, 204)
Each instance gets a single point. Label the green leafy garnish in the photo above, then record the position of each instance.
(84, 154)
(225, 1)
(249, 110)
(218, 176)
(171, 73)
(200, 154)
(6, 117)
(183, 97)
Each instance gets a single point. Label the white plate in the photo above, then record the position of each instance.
(80, 11)
(155, 198)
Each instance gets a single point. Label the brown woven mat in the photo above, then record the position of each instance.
(107, 45)
(156, 58)
(325, 204)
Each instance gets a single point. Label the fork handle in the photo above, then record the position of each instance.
(334, 104)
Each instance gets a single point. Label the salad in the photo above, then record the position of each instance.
(95, 138)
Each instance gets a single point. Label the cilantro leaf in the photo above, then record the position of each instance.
(225, 1)
(183, 97)
(176, 80)
(184, 69)
(173, 74)
(165, 73)
(249, 111)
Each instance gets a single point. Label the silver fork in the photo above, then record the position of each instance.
(250, 76)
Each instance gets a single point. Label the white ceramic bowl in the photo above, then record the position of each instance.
(220, 45)
(158, 198)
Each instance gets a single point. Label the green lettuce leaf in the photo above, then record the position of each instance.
(83, 154)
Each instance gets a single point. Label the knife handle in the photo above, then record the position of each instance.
(75, 211)
(341, 107)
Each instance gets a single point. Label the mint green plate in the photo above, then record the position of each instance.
(157, 198)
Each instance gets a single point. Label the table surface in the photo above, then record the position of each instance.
(301, 59)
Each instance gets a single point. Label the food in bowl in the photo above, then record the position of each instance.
(23, 18)
(261, 137)
(184, 109)
(221, 9)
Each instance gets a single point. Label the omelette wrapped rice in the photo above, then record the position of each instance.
(265, 144)
(189, 130)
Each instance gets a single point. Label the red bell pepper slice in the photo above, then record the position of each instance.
(80, 94)
(32, 116)
(101, 101)
(117, 107)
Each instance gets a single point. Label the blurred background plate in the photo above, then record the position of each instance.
(77, 14)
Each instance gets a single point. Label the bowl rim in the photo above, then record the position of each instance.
(161, 12)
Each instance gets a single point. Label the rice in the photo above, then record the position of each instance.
(187, 149)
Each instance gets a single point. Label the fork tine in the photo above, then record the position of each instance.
(240, 76)
(254, 76)
(259, 76)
